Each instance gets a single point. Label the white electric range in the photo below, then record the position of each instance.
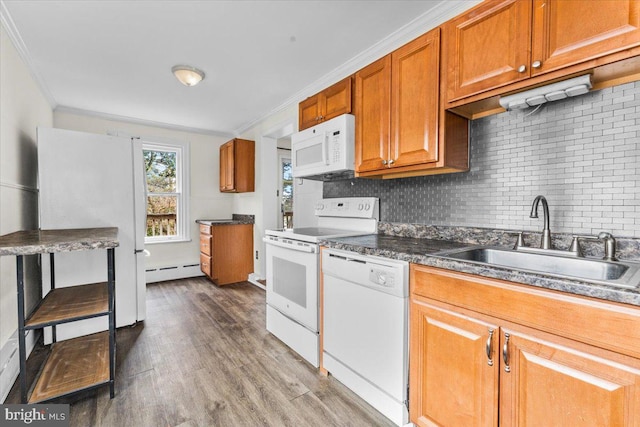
(293, 258)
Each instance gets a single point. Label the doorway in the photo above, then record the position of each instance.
(285, 189)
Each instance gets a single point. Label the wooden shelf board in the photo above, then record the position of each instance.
(72, 303)
(73, 365)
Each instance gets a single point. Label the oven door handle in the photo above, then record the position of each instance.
(300, 247)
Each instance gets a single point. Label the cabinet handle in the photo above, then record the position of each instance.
(522, 68)
(489, 348)
(505, 353)
(384, 162)
(391, 161)
(536, 64)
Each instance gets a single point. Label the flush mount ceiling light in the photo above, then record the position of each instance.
(553, 92)
(188, 76)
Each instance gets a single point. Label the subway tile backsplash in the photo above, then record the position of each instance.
(582, 154)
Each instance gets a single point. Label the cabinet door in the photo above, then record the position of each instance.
(487, 46)
(309, 112)
(569, 32)
(554, 385)
(452, 380)
(373, 115)
(227, 166)
(223, 167)
(337, 100)
(415, 72)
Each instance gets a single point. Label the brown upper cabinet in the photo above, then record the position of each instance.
(237, 166)
(501, 42)
(399, 128)
(330, 103)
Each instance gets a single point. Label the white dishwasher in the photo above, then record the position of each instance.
(365, 328)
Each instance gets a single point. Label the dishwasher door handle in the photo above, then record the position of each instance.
(344, 258)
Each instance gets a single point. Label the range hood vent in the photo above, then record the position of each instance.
(553, 92)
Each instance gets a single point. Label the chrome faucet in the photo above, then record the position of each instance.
(545, 243)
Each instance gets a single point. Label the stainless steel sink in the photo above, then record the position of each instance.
(554, 263)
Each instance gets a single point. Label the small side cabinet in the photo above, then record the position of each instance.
(237, 166)
(225, 252)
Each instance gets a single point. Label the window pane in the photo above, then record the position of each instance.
(161, 215)
(160, 167)
(287, 194)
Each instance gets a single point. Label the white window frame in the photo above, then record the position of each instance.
(183, 219)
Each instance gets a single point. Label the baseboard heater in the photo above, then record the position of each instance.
(172, 272)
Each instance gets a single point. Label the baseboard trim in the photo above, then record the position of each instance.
(172, 272)
(10, 360)
(254, 279)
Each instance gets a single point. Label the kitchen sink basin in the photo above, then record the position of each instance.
(555, 263)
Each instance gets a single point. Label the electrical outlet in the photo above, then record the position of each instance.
(256, 254)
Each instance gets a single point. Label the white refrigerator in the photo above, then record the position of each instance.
(89, 180)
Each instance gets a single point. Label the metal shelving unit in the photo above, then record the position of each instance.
(77, 364)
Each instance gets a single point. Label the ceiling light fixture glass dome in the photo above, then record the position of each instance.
(187, 75)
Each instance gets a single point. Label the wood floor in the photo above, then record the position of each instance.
(204, 358)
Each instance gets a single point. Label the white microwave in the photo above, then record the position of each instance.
(326, 148)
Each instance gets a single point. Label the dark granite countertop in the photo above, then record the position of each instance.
(234, 220)
(217, 221)
(30, 242)
(422, 250)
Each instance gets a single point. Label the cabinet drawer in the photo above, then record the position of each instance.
(205, 229)
(206, 264)
(205, 244)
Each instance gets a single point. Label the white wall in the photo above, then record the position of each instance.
(206, 200)
(23, 107)
(306, 193)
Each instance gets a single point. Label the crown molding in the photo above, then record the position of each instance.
(439, 14)
(142, 122)
(23, 52)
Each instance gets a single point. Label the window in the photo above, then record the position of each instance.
(166, 186)
(286, 186)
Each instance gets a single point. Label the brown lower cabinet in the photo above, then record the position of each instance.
(226, 252)
(487, 352)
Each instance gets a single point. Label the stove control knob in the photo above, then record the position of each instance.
(367, 207)
(360, 206)
(320, 206)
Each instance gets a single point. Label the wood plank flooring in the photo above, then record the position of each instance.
(204, 358)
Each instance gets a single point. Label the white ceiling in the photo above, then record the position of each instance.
(115, 57)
